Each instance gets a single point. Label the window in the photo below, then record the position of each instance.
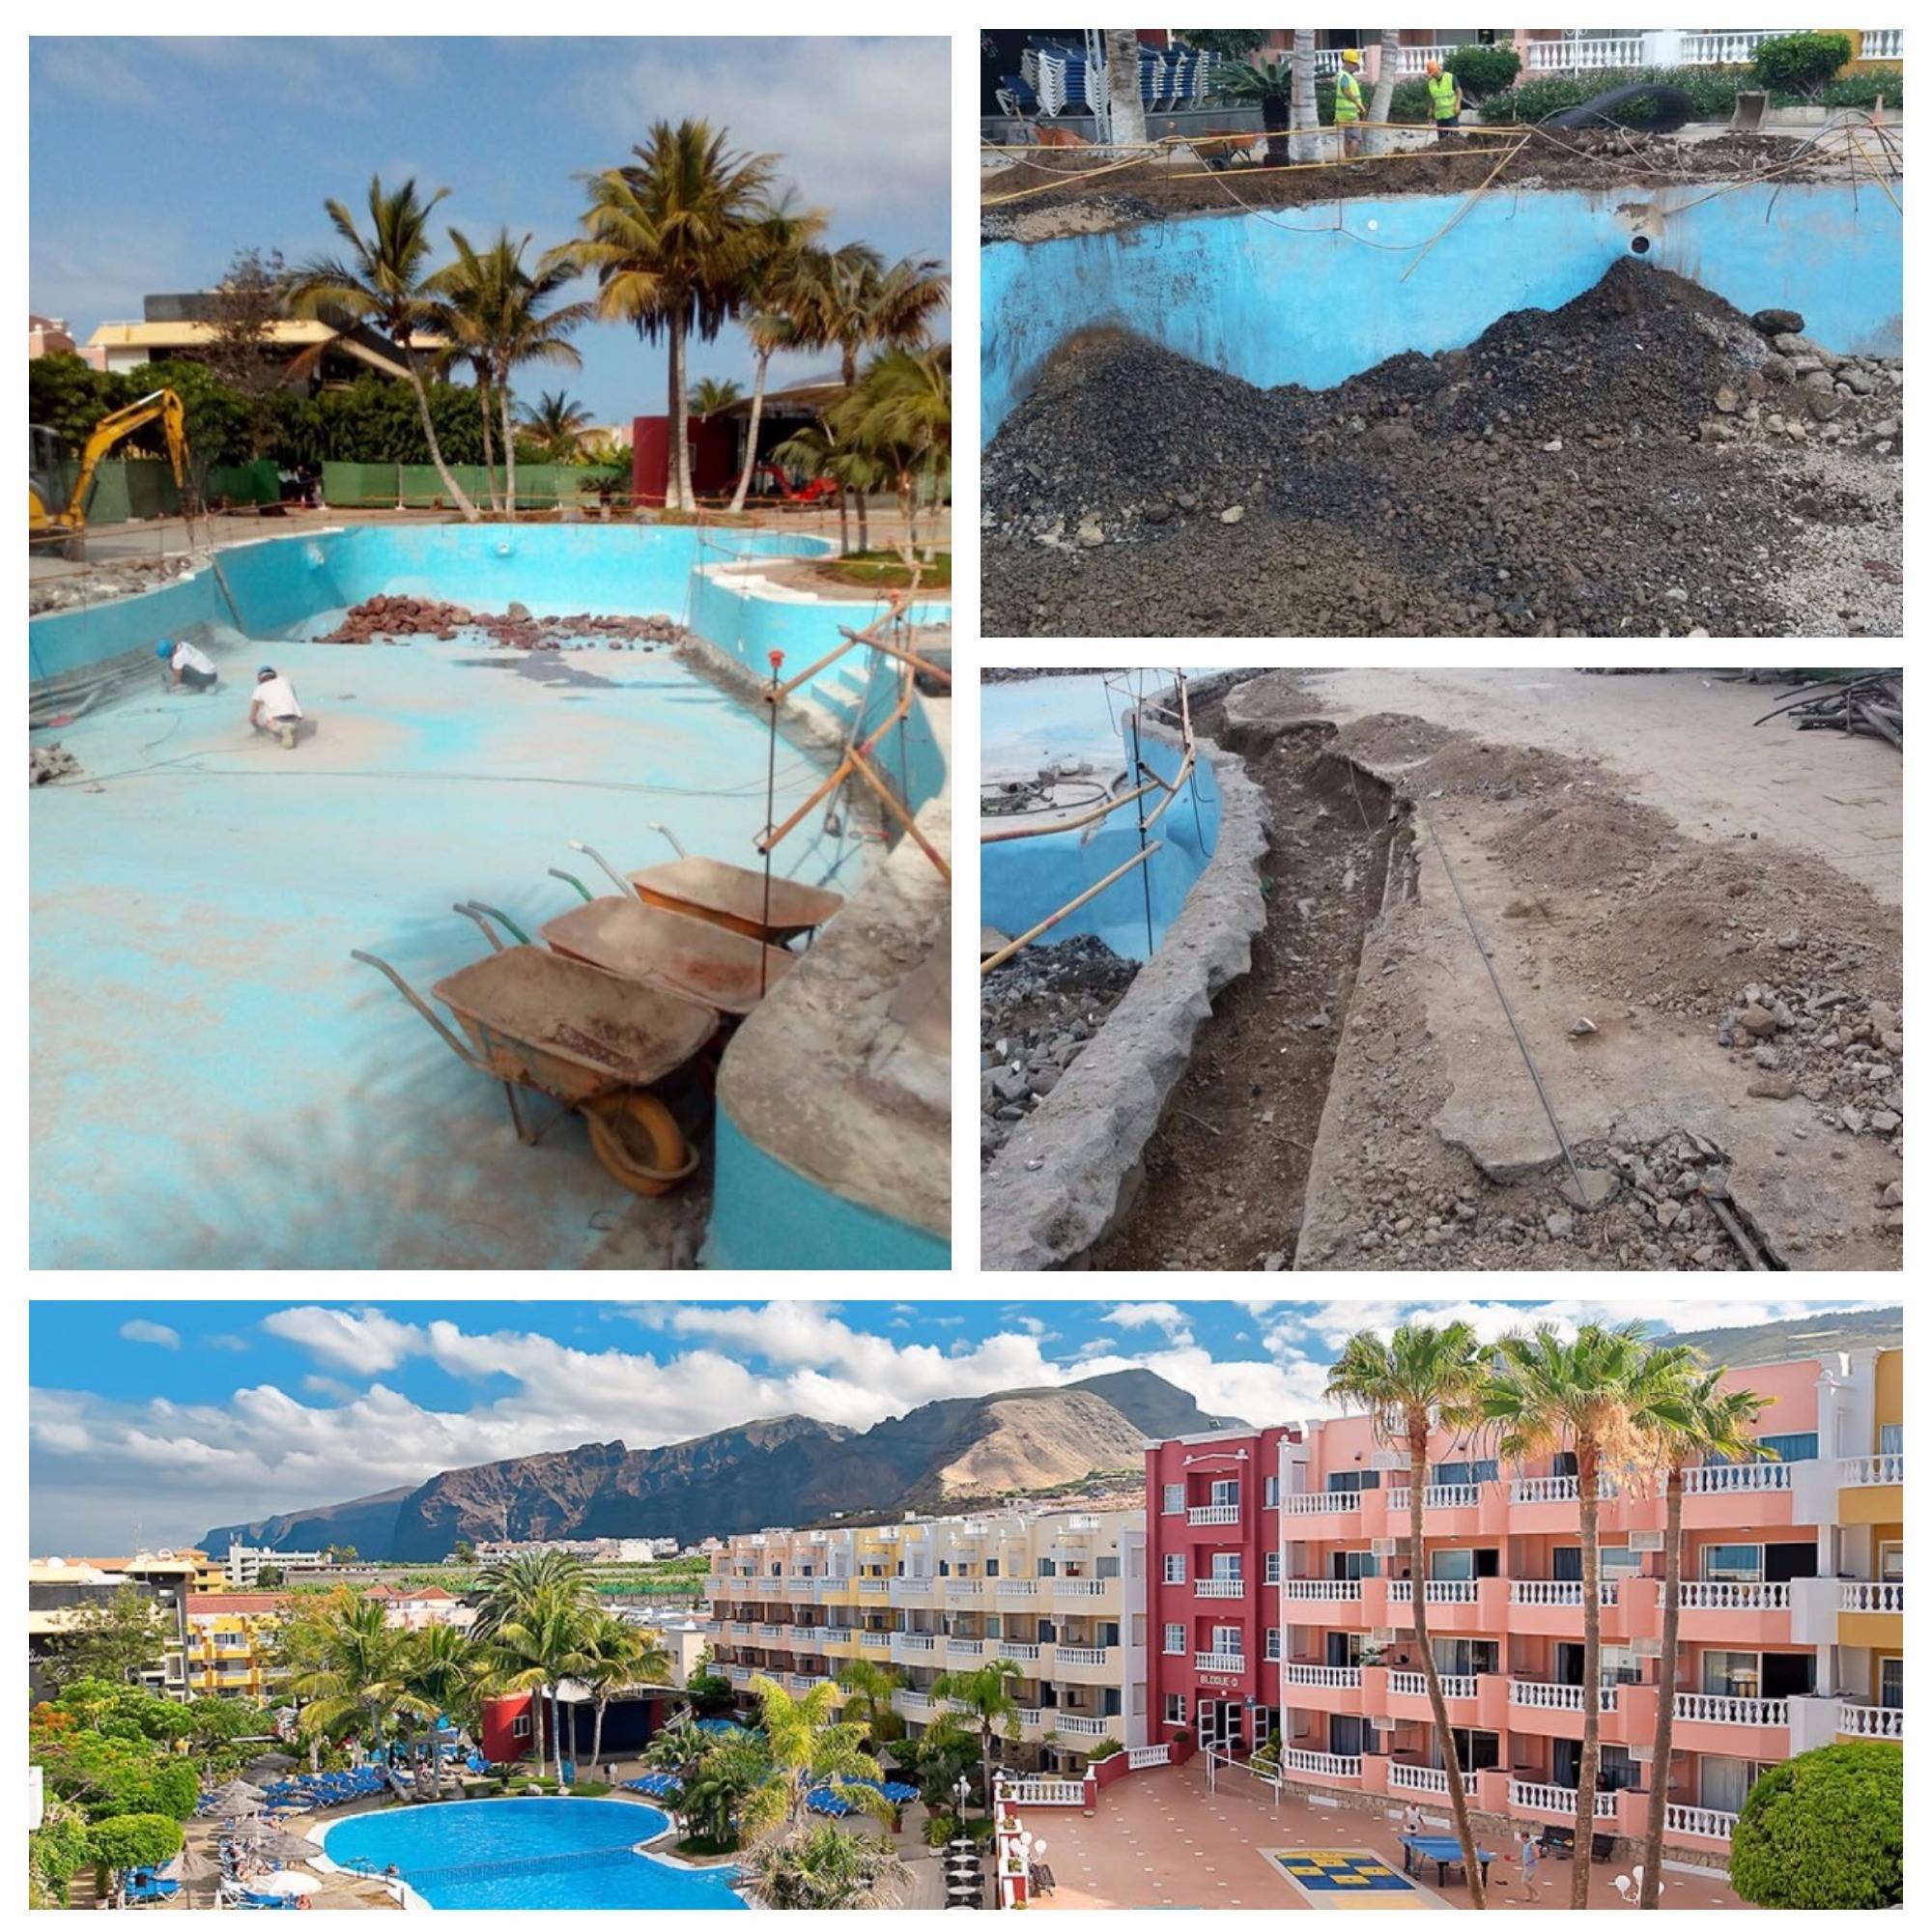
(1271, 1492)
(1452, 1566)
(1465, 1656)
(1046, 1565)
(1173, 1568)
(1732, 1673)
(1457, 1475)
(1891, 1684)
(1731, 1563)
(1891, 1562)
(1225, 1491)
(1346, 1482)
(1619, 1665)
(1724, 1782)
(1801, 1447)
(1347, 1736)
(1271, 1566)
(1174, 1500)
(1226, 1564)
(1139, 1699)
(1891, 1438)
(1106, 1566)
(1227, 1640)
(1174, 1640)
(1350, 1566)
(520, 1727)
(992, 1566)
(1175, 1710)
(1274, 1645)
(1139, 1627)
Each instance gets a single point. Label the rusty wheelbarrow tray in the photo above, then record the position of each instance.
(715, 964)
(733, 896)
(593, 1041)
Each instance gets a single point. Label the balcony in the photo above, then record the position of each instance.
(1698, 1706)
(1413, 1683)
(1324, 1502)
(1082, 1586)
(963, 1589)
(1556, 1801)
(1459, 1590)
(1321, 1590)
(1872, 1721)
(875, 1586)
(1079, 1657)
(1426, 1779)
(913, 1643)
(1868, 1472)
(803, 1636)
(1220, 1662)
(1018, 1653)
(914, 1704)
(772, 1633)
(1872, 1599)
(1208, 1515)
(1016, 1586)
(1734, 1479)
(1220, 1586)
(1322, 1676)
(1535, 1593)
(911, 1586)
(1695, 1821)
(964, 1649)
(1527, 1694)
(1322, 1767)
(1439, 1497)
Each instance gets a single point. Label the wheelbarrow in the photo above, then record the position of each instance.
(596, 1043)
(733, 896)
(715, 964)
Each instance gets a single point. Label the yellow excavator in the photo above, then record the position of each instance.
(47, 517)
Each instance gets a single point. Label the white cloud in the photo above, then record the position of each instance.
(367, 1339)
(1162, 1315)
(161, 1336)
(233, 1345)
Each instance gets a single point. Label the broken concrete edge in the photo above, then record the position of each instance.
(1064, 1177)
(802, 1080)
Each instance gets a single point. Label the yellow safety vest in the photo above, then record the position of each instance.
(1442, 95)
(1347, 96)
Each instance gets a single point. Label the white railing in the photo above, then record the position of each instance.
(797, 1680)
(739, 1629)
(1418, 1777)
(1323, 1502)
(1889, 1598)
(1698, 1706)
(965, 1646)
(1212, 1513)
(876, 1639)
(1412, 60)
(1033, 1718)
(913, 1703)
(874, 1586)
(1545, 1593)
(1544, 1490)
(911, 1586)
(1081, 1587)
(965, 1587)
(1558, 1799)
(738, 1674)
(1321, 1590)
(1872, 1721)
(1020, 1652)
(771, 1630)
(913, 1640)
(1448, 1590)
(1713, 1479)
(1077, 1726)
(1533, 1696)
(1223, 1661)
(1882, 44)
(1721, 1596)
(1043, 1790)
(1863, 1472)
(1323, 1676)
(1574, 53)
(1414, 1684)
(1017, 1586)
(1694, 1821)
(1220, 1586)
(1321, 1764)
(1069, 1652)
(1144, 1757)
(1724, 50)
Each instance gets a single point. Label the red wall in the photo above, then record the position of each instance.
(500, 1715)
(712, 472)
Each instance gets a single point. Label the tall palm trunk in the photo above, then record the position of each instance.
(751, 463)
(455, 495)
(556, 1730)
(1127, 117)
(1593, 1672)
(489, 451)
(1382, 102)
(677, 468)
(1649, 1899)
(1304, 116)
(1438, 1708)
(509, 451)
(597, 1735)
(844, 529)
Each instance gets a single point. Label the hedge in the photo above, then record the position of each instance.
(1713, 89)
(1825, 1833)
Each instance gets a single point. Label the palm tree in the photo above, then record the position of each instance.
(1126, 117)
(991, 1708)
(616, 1655)
(471, 295)
(869, 1687)
(1269, 84)
(669, 239)
(354, 1682)
(557, 423)
(717, 1785)
(1382, 104)
(810, 1746)
(901, 414)
(1305, 115)
(708, 396)
(383, 280)
(531, 330)
(818, 449)
(437, 1671)
(1421, 1379)
(535, 1649)
(1546, 1394)
(825, 1871)
(778, 310)
(531, 1592)
(1688, 1418)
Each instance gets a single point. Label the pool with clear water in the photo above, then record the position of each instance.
(531, 1854)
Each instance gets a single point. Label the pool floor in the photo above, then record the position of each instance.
(531, 1854)
(214, 1082)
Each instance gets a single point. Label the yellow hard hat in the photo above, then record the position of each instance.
(1352, 56)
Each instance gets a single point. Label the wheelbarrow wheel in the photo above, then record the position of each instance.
(638, 1140)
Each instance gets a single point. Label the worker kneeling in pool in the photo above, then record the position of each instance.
(274, 706)
(1445, 97)
(1348, 101)
(188, 668)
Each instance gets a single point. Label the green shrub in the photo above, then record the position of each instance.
(1884, 84)
(139, 1839)
(1825, 1833)
(56, 1852)
(1481, 71)
(1799, 62)
(1713, 90)
(1107, 1748)
(716, 1848)
(1409, 101)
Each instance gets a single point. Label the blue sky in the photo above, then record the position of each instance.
(152, 1421)
(151, 161)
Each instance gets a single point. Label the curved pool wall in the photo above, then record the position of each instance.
(1318, 305)
(1022, 881)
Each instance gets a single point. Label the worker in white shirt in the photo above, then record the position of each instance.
(188, 668)
(274, 706)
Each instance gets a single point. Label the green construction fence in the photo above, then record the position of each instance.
(417, 486)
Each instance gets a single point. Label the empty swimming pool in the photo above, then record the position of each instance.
(533, 1854)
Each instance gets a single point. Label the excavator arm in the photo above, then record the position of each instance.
(163, 406)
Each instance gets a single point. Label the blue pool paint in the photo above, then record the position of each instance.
(1023, 880)
(1292, 296)
(214, 1082)
(531, 1854)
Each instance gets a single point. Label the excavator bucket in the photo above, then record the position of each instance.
(1748, 114)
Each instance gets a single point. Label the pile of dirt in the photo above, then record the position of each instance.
(48, 762)
(1037, 1013)
(1644, 460)
(101, 583)
(386, 619)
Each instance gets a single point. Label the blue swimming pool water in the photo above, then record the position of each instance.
(531, 1853)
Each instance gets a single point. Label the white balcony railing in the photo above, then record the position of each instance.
(1220, 1586)
(876, 1639)
(965, 1647)
(1225, 1662)
(1322, 1763)
(1144, 1757)
(1204, 1514)
(1882, 44)
(1872, 1721)
(1545, 1593)
(1698, 1706)
(1074, 1724)
(1321, 1590)
(1530, 1696)
(1413, 1683)
(874, 1586)
(1450, 1590)
(962, 1588)
(1560, 1800)
(1019, 1653)
(772, 1631)
(1017, 1586)
(913, 1703)
(1081, 1587)
(1865, 1472)
(1418, 1777)
(1085, 1654)
(1887, 1598)
(1733, 50)
(1323, 1676)
(1697, 1821)
(1725, 1479)
(1576, 52)
(913, 1640)
(1724, 1595)
(1323, 1502)
(911, 1586)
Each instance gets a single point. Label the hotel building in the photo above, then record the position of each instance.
(1062, 1597)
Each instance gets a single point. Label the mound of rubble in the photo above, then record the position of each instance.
(387, 619)
(1644, 460)
(101, 583)
(48, 762)
(1037, 1013)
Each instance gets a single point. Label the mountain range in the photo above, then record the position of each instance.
(786, 1470)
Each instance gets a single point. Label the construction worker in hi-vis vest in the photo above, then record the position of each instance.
(1349, 113)
(1445, 96)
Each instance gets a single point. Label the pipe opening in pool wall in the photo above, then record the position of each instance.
(1519, 383)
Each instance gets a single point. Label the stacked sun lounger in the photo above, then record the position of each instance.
(1064, 81)
(656, 1784)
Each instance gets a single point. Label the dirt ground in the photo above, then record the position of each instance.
(1642, 462)
(1459, 163)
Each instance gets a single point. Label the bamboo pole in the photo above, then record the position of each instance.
(1027, 938)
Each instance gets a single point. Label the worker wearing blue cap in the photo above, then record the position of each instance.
(189, 668)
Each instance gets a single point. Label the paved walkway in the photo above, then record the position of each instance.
(1684, 743)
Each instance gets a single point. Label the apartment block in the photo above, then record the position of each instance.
(1061, 1597)
(1791, 1626)
(229, 1649)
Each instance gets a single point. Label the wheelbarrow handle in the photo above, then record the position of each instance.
(571, 880)
(410, 993)
(623, 885)
(475, 909)
(675, 845)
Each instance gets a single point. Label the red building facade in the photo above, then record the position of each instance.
(1213, 1587)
